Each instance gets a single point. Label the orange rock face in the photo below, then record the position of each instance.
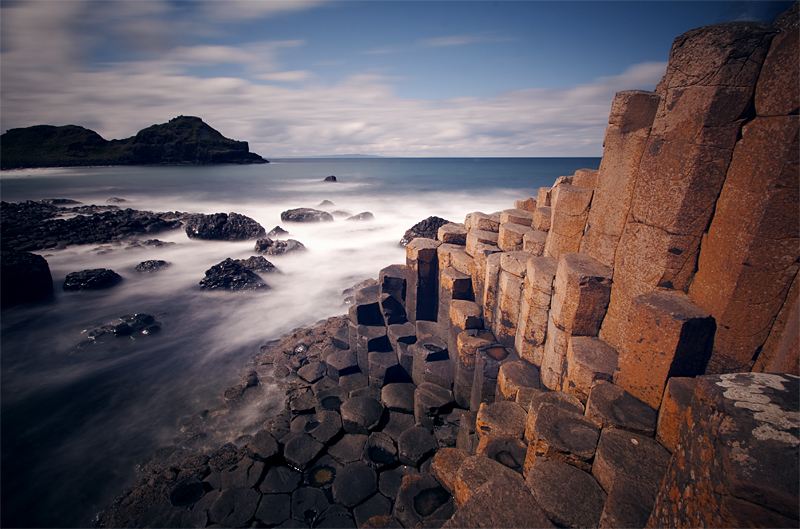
(511, 235)
(569, 213)
(535, 308)
(781, 350)
(585, 178)
(589, 359)
(677, 397)
(664, 335)
(581, 291)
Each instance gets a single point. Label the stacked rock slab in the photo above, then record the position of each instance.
(568, 218)
(709, 85)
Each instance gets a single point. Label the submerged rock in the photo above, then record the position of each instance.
(24, 277)
(428, 228)
(153, 265)
(306, 215)
(271, 247)
(231, 275)
(276, 232)
(223, 227)
(94, 279)
(257, 263)
(366, 215)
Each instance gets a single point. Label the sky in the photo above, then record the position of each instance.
(323, 77)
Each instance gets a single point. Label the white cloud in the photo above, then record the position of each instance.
(460, 40)
(292, 76)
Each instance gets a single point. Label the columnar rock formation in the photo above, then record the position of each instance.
(619, 350)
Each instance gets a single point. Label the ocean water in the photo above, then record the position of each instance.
(75, 422)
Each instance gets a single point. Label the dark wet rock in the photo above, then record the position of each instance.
(506, 451)
(256, 263)
(234, 507)
(308, 503)
(422, 501)
(115, 200)
(246, 473)
(428, 229)
(280, 479)
(322, 473)
(341, 363)
(322, 426)
(349, 448)
(276, 232)
(187, 492)
(353, 484)
(336, 516)
(361, 414)
(263, 445)
(95, 279)
(24, 277)
(398, 397)
(415, 445)
(379, 452)
(330, 178)
(377, 505)
(366, 215)
(145, 267)
(312, 372)
(556, 486)
(389, 481)
(223, 227)
(274, 509)
(230, 275)
(331, 398)
(269, 246)
(395, 423)
(301, 449)
(223, 457)
(306, 215)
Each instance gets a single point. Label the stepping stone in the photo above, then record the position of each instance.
(488, 360)
(366, 392)
(344, 362)
(394, 311)
(426, 350)
(301, 449)
(379, 452)
(389, 481)
(262, 446)
(395, 423)
(589, 359)
(398, 397)
(514, 376)
(308, 503)
(331, 399)
(322, 473)
(274, 509)
(402, 333)
(360, 415)
(561, 399)
(353, 381)
(234, 507)
(304, 402)
(431, 401)
(354, 483)
(628, 504)
(312, 372)
(187, 492)
(502, 418)
(336, 516)
(634, 456)
(506, 451)
(446, 464)
(569, 497)
(349, 448)
(377, 505)
(324, 383)
(501, 502)
(246, 473)
(341, 337)
(564, 436)
(426, 329)
(392, 281)
(422, 502)
(610, 405)
(370, 339)
(322, 426)
(384, 369)
(366, 310)
(475, 471)
(415, 445)
(280, 479)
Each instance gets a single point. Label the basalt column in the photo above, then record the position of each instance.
(705, 95)
(750, 256)
(422, 282)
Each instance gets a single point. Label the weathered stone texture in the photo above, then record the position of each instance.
(611, 406)
(562, 435)
(422, 265)
(570, 497)
(677, 397)
(781, 350)
(736, 464)
(747, 262)
(476, 237)
(452, 233)
(632, 114)
(491, 285)
(581, 291)
(543, 196)
(503, 418)
(534, 308)
(778, 88)
(475, 471)
(480, 255)
(509, 296)
(585, 178)
(569, 213)
(665, 335)
(541, 218)
(481, 221)
(516, 216)
(533, 242)
(589, 359)
(514, 376)
(453, 285)
(708, 87)
(510, 237)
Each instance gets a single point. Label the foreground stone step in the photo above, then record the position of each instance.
(610, 405)
(431, 401)
(446, 464)
(510, 452)
(501, 418)
(474, 472)
(422, 502)
(564, 436)
(468, 342)
(589, 360)
(568, 496)
(514, 376)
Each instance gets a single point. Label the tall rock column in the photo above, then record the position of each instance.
(568, 219)
(750, 256)
(706, 96)
(422, 281)
(632, 114)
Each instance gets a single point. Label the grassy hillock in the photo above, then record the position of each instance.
(184, 140)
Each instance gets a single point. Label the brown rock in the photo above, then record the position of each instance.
(457, 257)
(487, 367)
(543, 196)
(422, 282)
(475, 237)
(466, 432)
(541, 218)
(526, 204)
(632, 114)
(481, 221)
(453, 285)
(569, 497)
(422, 502)
(534, 308)
(503, 419)
(677, 397)
(556, 398)
(610, 405)
(588, 360)
(453, 234)
(475, 471)
(510, 237)
(445, 466)
(747, 262)
(780, 351)
(468, 343)
(554, 357)
(562, 435)
(665, 335)
(581, 292)
(491, 286)
(622, 454)
(585, 178)
(777, 88)
(514, 376)
(533, 242)
(506, 316)
(507, 451)
(569, 213)
(516, 216)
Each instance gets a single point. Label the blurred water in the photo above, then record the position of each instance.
(75, 422)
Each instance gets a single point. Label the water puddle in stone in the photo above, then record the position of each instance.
(429, 500)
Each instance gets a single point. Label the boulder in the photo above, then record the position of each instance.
(223, 227)
(427, 229)
(306, 215)
(276, 232)
(272, 247)
(366, 215)
(24, 276)
(153, 265)
(257, 263)
(95, 279)
(230, 275)
(330, 178)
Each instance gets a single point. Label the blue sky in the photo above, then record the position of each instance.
(308, 77)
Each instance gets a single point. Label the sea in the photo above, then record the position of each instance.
(75, 422)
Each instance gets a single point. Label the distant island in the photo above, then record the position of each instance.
(184, 140)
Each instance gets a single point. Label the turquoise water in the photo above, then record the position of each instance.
(74, 424)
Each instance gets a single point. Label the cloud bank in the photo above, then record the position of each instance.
(47, 77)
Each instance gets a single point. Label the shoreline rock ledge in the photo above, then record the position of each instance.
(602, 354)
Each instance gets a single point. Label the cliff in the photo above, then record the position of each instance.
(184, 140)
